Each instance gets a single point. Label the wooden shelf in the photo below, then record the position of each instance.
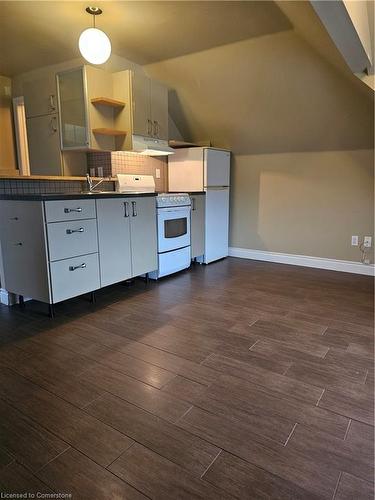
(106, 101)
(108, 131)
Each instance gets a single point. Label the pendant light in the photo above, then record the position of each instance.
(94, 44)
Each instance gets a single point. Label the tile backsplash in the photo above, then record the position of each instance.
(119, 162)
(22, 186)
(112, 163)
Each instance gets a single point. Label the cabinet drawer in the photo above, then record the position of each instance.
(72, 277)
(69, 239)
(64, 210)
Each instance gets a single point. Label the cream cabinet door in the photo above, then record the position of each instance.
(143, 235)
(197, 225)
(113, 215)
(140, 90)
(44, 145)
(40, 96)
(159, 110)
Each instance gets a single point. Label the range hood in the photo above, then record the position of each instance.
(150, 146)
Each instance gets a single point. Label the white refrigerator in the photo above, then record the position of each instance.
(205, 169)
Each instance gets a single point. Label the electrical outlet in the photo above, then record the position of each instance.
(367, 241)
(157, 173)
(354, 241)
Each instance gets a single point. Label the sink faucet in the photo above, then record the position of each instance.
(90, 183)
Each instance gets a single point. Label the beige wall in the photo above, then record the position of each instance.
(301, 134)
(303, 203)
(8, 161)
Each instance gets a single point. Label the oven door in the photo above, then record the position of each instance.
(173, 228)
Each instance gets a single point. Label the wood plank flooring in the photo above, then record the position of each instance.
(240, 379)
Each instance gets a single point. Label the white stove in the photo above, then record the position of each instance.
(173, 220)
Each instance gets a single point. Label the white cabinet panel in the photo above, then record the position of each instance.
(69, 239)
(143, 235)
(65, 210)
(40, 95)
(197, 225)
(159, 110)
(73, 277)
(44, 145)
(114, 240)
(141, 104)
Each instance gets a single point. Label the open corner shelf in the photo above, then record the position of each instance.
(108, 131)
(107, 101)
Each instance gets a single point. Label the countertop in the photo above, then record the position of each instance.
(188, 192)
(71, 196)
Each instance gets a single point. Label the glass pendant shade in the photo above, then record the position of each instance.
(94, 45)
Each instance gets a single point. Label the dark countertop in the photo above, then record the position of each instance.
(188, 192)
(71, 196)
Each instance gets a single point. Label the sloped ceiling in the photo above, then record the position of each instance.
(276, 93)
(35, 34)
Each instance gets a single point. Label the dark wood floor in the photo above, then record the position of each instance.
(241, 380)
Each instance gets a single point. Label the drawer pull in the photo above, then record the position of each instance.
(18, 244)
(126, 209)
(73, 268)
(68, 210)
(71, 231)
(134, 207)
(13, 218)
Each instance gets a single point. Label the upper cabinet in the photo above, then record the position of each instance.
(88, 112)
(159, 110)
(40, 95)
(149, 100)
(88, 109)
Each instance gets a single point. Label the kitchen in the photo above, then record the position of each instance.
(170, 326)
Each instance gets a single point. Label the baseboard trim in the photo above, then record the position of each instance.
(345, 266)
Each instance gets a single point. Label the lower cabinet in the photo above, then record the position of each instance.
(55, 250)
(127, 238)
(114, 240)
(143, 235)
(198, 208)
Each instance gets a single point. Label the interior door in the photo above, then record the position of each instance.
(159, 110)
(216, 168)
(217, 224)
(44, 145)
(141, 107)
(143, 235)
(113, 215)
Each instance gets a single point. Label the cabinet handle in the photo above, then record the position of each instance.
(193, 203)
(126, 209)
(149, 127)
(71, 231)
(73, 268)
(134, 208)
(68, 210)
(156, 128)
(18, 244)
(53, 124)
(13, 218)
(52, 102)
